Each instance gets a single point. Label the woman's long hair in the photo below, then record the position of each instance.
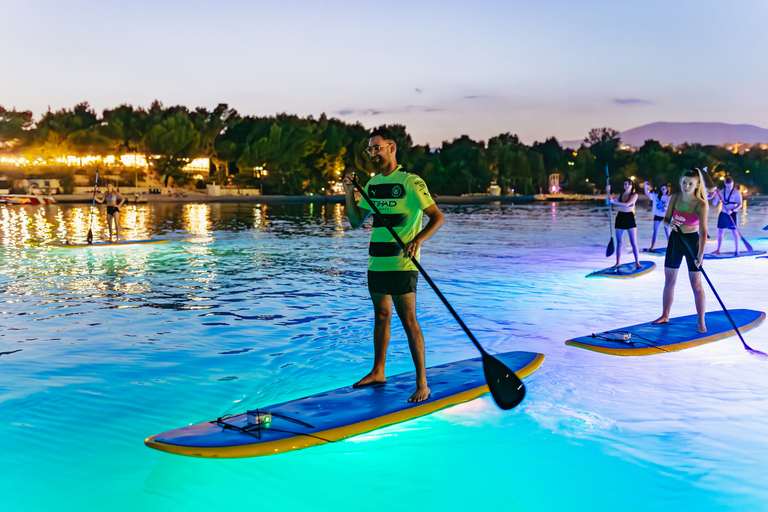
(701, 190)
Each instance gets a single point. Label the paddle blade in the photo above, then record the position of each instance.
(746, 244)
(89, 238)
(609, 249)
(507, 389)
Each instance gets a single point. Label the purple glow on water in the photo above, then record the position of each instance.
(250, 305)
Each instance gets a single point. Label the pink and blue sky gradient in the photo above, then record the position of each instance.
(442, 68)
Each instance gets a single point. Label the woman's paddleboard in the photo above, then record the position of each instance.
(335, 415)
(108, 244)
(729, 255)
(682, 332)
(625, 270)
(663, 250)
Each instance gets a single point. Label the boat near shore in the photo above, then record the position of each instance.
(26, 199)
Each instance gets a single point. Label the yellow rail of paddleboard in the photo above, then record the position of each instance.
(114, 244)
(336, 434)
(648, 351)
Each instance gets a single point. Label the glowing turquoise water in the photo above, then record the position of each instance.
(249, 305)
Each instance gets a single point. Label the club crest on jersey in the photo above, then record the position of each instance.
(397, 191)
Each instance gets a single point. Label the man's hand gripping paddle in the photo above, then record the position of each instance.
(506, 388)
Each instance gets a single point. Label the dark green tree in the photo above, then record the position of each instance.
(604, 144)
(170, 142)
(14, 129)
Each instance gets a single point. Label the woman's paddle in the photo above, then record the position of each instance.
(731, 215)
(701, 267)
(507, 389)
(89, 237)
(609, 249)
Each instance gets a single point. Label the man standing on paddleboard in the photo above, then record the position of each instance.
(401, 197)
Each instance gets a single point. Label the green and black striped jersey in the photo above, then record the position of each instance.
(400, 197)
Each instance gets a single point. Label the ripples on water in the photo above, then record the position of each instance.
(248, 305)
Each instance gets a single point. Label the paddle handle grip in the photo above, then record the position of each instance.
(418, 265)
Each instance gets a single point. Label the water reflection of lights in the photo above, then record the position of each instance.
(134, 222)
(338, 220)
(197, 220)
(80, 220)
(61, 232)
(259, 215)
(14, 226)
(43, 228)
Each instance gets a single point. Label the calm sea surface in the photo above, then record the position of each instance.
(249, 305)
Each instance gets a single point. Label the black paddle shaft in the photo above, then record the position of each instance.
(89, 236)
(507, 389)
(609, 249)
(725, 310)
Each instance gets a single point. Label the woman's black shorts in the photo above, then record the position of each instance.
(393, 282)
(111, 210)
(725, 221)
(625, 220)
(676, 250)
(656, 218)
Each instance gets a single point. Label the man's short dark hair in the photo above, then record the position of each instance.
(384, 133)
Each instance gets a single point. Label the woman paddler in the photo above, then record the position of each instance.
(687, 216)
(625, 219)
(660, 200)
(112, 196)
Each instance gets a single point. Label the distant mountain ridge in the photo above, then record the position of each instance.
(708, 134)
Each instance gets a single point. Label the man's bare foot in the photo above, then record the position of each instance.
(702, 328)
(736, 254)
(661, 320)
(370, 380)
(421, 394)
(616, 265)
(638, 266)
(716, 252)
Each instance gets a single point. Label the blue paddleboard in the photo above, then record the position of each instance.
(682, 332)
(624, 271)
(729, 255)
(662, 251)
(108, 244)
(337, 414)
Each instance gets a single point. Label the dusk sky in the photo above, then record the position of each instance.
(442, 68)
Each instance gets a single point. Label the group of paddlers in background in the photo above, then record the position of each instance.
(685, 213)
(730, 201)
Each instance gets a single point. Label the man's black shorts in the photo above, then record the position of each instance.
(394, 282)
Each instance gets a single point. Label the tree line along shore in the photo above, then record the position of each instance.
(287, 155)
